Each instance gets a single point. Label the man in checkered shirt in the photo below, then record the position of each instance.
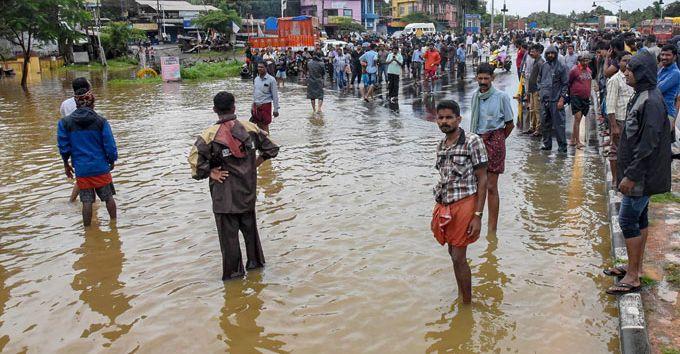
(460, 193)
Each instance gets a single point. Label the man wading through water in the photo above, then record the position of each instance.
(85, 137)
(225, 152)
(460, 193)
(265, 94)
(492, 120)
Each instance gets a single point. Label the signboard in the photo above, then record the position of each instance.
(81, 57)
(533, 24)
(188, 23)
(472, 23)
(145, 26)
(170, 69)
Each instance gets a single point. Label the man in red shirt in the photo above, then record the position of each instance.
(520, 56)
(432, 61)
(580, 79)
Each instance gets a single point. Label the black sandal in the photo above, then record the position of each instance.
(617, 271)
(623, 288)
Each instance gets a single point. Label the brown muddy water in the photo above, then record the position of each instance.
(344, 217)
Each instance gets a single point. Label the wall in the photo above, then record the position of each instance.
(354, 5)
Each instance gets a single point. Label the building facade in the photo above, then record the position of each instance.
(444, 12)
(328, 10)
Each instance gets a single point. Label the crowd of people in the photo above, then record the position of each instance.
(630, 82)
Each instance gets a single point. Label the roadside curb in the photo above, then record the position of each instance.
(632, 324)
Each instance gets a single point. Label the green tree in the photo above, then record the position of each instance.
(22, 22)
(599, 10)
(117, 35)
(346, 24)
(673, 9)
(418, 17)
(219, 21)
(550, 20)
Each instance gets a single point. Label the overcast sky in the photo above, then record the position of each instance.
(525, 7)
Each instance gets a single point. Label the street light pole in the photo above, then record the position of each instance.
(504, 10)
(492, 16)
(661, 9)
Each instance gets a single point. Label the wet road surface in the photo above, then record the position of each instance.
(344, 216)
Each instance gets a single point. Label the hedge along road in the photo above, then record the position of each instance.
(344, 216)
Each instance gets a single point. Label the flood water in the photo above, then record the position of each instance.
(344, 215)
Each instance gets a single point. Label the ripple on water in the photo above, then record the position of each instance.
(344, 219)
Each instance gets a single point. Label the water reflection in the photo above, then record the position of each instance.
(476, 328)
(100, 266)
(238, 318)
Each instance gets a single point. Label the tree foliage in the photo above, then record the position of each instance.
(346, 24)
(418, 17)
(219, 21)
(116, 36)
(673, 9)
(22, 22)
(550, 20)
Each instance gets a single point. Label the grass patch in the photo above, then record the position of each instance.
(647, 281)
(112, 64)
(665, 198)
(673, 274)
(666, 350)
(203, 71)
(147, 80)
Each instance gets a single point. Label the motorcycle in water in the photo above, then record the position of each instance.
(500, 60)
(245, 72)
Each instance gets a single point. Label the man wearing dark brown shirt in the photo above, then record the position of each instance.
(225, 152)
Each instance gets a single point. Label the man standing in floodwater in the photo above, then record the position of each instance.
(86, 139)
(460, 193)
(492, 119)
(265, 95)
(225, 153)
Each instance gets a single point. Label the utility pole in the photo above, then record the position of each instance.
(102, 55)
(158, 19)
(492, 16)
(504, 10)
(548, 6)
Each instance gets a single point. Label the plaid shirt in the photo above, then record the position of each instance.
(456, 165)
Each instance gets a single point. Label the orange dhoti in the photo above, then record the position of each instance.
(450, 222)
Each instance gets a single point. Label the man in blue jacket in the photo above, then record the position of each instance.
(85, 138)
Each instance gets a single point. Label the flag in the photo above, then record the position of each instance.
(234, 27)
(284, 6)
(259, 31)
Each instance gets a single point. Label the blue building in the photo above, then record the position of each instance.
(368, 16)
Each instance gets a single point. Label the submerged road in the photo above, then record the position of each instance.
(344, 216)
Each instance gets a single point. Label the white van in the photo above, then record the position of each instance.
(427, 28)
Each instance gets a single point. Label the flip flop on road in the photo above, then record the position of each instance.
(617, 271)
(622, 288)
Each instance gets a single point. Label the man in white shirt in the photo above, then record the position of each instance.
(265, 95)
(67, 107)
(618, 95)
(468, 43)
